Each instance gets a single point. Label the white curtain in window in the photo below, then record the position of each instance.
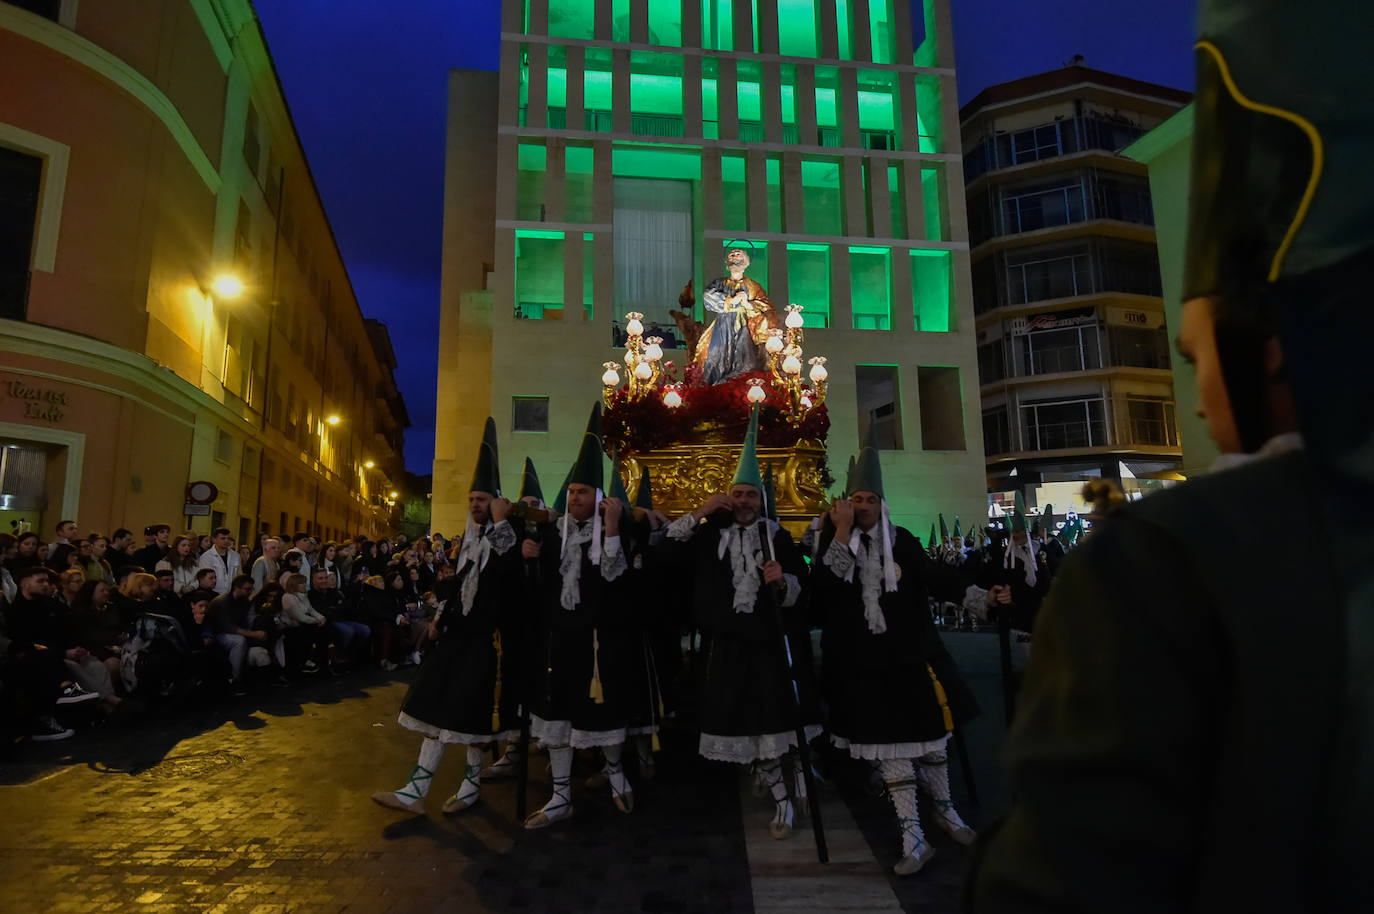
(653, 246)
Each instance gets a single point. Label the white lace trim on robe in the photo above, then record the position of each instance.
(885, 751)
(1024, 552)
(745, 749)
(877, 573)
(476, 549)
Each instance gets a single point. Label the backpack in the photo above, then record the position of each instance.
(153, 661)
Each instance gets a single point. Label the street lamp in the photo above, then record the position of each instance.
(368, 464)
(227, 285)
(332, 419)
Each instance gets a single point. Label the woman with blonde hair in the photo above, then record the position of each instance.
(181, 559)
(302, 627)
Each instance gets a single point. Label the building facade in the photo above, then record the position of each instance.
(624, 146)
(1073, 351)
(173, 306)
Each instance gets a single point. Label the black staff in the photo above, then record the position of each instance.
(803, 750)
(522, 777)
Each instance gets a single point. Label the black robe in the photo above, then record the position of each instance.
(877, 686)
(1174, 748)
(461, 684)
(745, 689)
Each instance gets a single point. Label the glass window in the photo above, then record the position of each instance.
(930, 289)
(1139, 347)
(1041, 207)
(665, 23)
(579, 191)
(734, 209)
(878, 393)
(1055, 425)
(529, 182)
(880, 29)
(870, 284)
(996, 432)
(656, 94)
(1125, 199)
(1059, 350)
(572, 19)
(822, 198)
(717, 25)
(1040, 277)
(797, 28)
(20, 181)
(1151, 422)
(808, 281)
(529, 414)
(538, 275)
(992, 362)
(596, 83)
(652, 247)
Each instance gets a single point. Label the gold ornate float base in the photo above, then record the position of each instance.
(685, 475)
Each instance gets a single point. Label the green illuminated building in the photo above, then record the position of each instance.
(624, 145)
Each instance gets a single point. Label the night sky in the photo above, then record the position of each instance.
(366, 83)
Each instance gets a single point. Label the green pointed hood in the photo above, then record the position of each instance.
(957, 534)
(486, 476)
(587, 469)
(932, 541)
(1018, 516)
(560, 502)
(529, 482)
(944, 529)
(644, 495)
(747, 470)
(866, 475)
(770, 494)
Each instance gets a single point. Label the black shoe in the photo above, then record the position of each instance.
(73, 694)
(239, 689)
(46, 730)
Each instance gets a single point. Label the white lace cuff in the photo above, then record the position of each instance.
(793, 592)
(613, 563)
(839, 559)
(501, 536)
(976, 602)
(682, 528)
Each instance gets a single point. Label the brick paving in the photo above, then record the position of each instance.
(264, 807)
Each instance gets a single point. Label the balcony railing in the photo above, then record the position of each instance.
(1060, 435)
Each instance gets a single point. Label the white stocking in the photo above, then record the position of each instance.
(417, 788)
(472, 776)
(560, 764)
(615, 771)
(932, 771)
(770, 772)
(901, 789)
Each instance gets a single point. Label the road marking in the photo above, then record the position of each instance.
(785, 876)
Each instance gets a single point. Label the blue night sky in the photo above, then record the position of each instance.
(366, 83)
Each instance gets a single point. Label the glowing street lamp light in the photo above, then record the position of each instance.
(332, 419)
(368, 464)
(227, 285)
(393, 494)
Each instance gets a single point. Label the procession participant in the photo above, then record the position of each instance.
(581, 695)
(1223, 752)
(458, 694)
(893, 691)
(516, 634)
(748, 712)
(641, 527)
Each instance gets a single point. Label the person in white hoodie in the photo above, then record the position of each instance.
(302, 626)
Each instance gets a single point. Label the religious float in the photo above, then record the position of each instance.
(687, 430)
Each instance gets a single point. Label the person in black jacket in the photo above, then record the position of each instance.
(894, 692)
(457, 695)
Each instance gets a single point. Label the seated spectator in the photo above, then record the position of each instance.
(413, 627)
(266, 568)
(121, 550)
(62, 556)
(182, 562)
(9, 547)
(35, 624)
(303, 626)
(135, 596)
(25, 554)
(293, 562)
(66, 533)
(99, 625)
(69, 584)
(33, 686)
(350, 636)
(264, 614)
(206, 579)
(229, 619)
(165, 598)
(96, 567)
(155, 546)
(245, 557)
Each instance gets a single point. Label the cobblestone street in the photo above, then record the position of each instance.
(264, 806)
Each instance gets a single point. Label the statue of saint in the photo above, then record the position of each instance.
(733, 344)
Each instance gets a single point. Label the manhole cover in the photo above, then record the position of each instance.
(190, 766)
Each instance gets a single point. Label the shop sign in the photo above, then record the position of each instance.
(1053, 320)
(44, 403)
(1130, 317)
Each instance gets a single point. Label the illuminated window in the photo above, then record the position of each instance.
(579, 191)
(808, 281)
(822, 199)
(930, 290)
(870, 284)
(718, 25)
(665, 23)
(529, 182)
(797, 28)
(538, 275)
(734, 208)
(880, 29)
(932, 197)
(572, 19)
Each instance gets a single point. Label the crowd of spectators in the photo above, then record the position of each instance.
(97, 628)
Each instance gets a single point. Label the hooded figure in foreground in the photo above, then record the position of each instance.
(1184, 743)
